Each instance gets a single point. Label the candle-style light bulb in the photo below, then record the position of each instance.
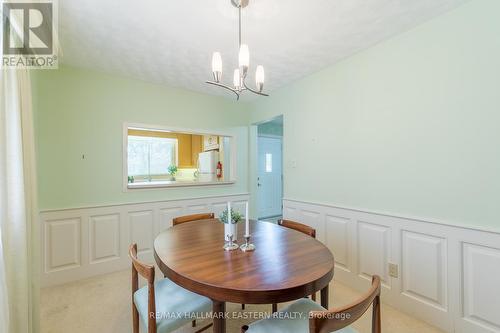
(259, 78)
(217, 66)
(244, 59)
(237, 79)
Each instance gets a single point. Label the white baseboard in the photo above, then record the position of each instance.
(85, 242)
(448, 276)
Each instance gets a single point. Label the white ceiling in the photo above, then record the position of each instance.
(171, 41)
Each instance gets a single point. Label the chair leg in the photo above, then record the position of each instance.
(376, 324)
(193, 323)
(135, 319)
(313, 297)
(275, 307)
(243, 306)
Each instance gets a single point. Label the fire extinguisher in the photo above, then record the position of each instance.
(219, 169)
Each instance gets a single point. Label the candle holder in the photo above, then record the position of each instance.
(229, 245)
(247, 247)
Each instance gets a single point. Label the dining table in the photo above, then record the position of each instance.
(286, 264)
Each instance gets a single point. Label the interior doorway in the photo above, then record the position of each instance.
(270, 169)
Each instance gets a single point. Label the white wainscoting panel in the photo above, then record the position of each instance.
(338, 241)
(142, 230)
(424, 268)
(290, 212)
(84, 242)
(167, 215)
(447, 275)
(104, 238)
(315, 220)
(62, 250)
(481, 271)
(197, 208)
(373, 251)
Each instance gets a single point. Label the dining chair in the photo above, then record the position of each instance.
(306, 316)
(191, 218)
(305, 229)
(163, 297)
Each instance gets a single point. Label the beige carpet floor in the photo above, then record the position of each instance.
(102, 305)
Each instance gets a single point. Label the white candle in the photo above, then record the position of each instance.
(247, 224)
(229, 212)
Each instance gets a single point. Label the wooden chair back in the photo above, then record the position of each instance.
(148, 273)
(330, 321)
(305, 229)
(191, 218)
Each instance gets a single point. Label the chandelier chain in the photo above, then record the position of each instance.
(239, 28)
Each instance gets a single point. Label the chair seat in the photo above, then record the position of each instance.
(172, 303)
(292, 319)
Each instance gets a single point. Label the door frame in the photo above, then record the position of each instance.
(254, 167)
(280, 138)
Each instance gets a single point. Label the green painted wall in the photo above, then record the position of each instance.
(410, 126)
(80, 112)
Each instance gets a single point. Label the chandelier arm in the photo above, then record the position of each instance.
(225, 87)
(254, 91)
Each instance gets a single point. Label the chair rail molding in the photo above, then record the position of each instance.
(447, 275)
(84, 242)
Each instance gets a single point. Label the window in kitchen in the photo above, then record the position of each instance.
(150, 156)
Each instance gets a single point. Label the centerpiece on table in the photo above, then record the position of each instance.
(230, 218)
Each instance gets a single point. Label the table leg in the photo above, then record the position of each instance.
(219, 309)
(324, 297)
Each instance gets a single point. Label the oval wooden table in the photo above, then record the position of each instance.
(286, 265)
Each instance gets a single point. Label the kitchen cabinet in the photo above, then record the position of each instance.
(184, 143)
(196, 149)
(210, 142)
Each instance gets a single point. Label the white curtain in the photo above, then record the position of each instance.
(18, 211)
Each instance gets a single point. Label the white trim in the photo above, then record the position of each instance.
(52, 210)
(159, 185)
(81, 243)
(388, 214)
(182, 130)
(126, 125)
(447, 274)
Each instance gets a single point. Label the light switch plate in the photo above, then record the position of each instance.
(393, 270)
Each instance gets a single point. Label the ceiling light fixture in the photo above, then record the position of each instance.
(240, 74)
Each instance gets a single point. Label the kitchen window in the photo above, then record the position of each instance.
(150, 156)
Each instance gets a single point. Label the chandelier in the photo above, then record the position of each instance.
(240, 74)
